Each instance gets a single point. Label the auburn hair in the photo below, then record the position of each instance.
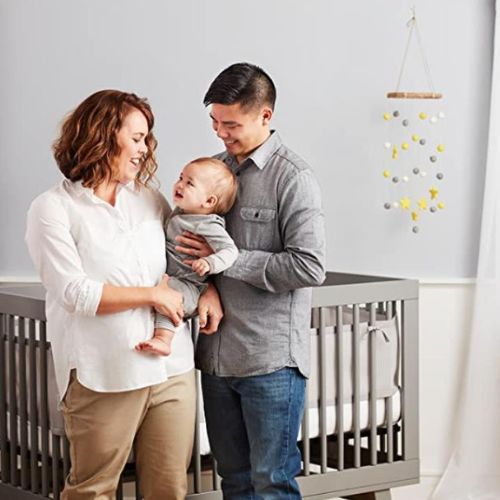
(87, 144)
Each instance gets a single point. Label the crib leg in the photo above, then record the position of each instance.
(373, 495)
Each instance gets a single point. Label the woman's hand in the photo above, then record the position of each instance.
(210, 310)
(168, 301)
(193, 245)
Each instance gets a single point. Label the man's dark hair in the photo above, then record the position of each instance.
(242, 83)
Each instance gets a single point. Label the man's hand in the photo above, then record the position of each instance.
(192, 245)
(210, 310)
(200, 266)
(168, 301)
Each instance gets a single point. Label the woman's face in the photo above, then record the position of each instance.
(131, 139)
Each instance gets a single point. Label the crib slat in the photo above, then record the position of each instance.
(196, 446)
(23, 410)
(389, 311)
(322, 390)
(356, 386)
(119, 489)
(138, 495)
(339, 376)
(33, 413)
(373, 384)
(409, 380)
(56, 456)
(66, 461)
(44, 408)
(4, 452)
(306, 449)
(216, 481)
(14, 473)
(390, 429)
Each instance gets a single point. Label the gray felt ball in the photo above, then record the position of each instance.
(433, 159)
(433, 209)
(405, 123)
(422, 141)
(416, 171)
(395, 180)
(395, 114)
(440, 176)
(415, 229)
(387, 206)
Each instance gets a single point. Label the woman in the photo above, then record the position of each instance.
(97, 241)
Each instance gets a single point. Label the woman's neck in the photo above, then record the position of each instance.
(106, 191)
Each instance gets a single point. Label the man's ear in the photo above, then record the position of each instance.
(267, 114)
(211, 201)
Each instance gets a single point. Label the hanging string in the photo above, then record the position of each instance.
(412, 24)
(422, 53)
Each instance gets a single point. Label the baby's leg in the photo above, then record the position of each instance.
(190, 293)
(160, 344)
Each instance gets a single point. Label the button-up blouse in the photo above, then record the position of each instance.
(78, 243)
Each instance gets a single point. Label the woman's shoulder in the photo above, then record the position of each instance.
(52, 197)
(153, 196)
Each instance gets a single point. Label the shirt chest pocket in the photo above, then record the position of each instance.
(259, 231)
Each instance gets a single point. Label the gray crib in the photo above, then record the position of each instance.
(359, 435)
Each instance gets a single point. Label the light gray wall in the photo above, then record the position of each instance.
(332, 62)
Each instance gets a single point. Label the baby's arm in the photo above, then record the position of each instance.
(225, 251)
(201, 266)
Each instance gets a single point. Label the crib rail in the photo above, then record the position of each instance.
(372, 448)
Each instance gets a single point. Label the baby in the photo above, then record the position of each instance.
(205, 191)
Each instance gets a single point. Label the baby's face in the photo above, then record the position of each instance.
(192, 191)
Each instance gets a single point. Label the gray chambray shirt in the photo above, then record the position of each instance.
(277, 224)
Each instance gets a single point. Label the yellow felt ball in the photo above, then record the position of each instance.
(405, 146)
(440, 148)
(387, 116)
(422, 115)
(441, 205)
(415, 138)
(387, 173)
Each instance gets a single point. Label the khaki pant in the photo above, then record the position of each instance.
(101, 428)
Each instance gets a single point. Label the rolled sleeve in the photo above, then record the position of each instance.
(55, 256)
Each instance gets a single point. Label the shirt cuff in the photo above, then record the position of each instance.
(88, 298)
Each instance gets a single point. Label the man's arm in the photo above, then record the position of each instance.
(302, 261)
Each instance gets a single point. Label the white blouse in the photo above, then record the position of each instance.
(78, 242)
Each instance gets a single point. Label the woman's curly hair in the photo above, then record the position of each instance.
(88, 144)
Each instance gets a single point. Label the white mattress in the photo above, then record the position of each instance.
(331, 419)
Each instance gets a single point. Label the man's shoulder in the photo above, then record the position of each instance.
(220, 156)
(289, 160)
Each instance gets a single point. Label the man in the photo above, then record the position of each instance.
(254, 367)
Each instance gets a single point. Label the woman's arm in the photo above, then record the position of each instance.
(56, 258)
(165, 300)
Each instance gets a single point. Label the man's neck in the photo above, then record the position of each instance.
(241, 158)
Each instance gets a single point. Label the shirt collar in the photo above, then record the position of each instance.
(263, 153)
(79, 190)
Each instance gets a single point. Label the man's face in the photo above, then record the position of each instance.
(241, 130)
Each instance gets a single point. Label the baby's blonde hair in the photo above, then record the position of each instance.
(225, 184)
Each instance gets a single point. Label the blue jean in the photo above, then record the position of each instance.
(253, 423)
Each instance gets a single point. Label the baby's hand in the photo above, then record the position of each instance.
(200, 266)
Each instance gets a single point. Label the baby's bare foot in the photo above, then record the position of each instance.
(158, 346)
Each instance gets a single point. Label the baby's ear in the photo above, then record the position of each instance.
(211, 201)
